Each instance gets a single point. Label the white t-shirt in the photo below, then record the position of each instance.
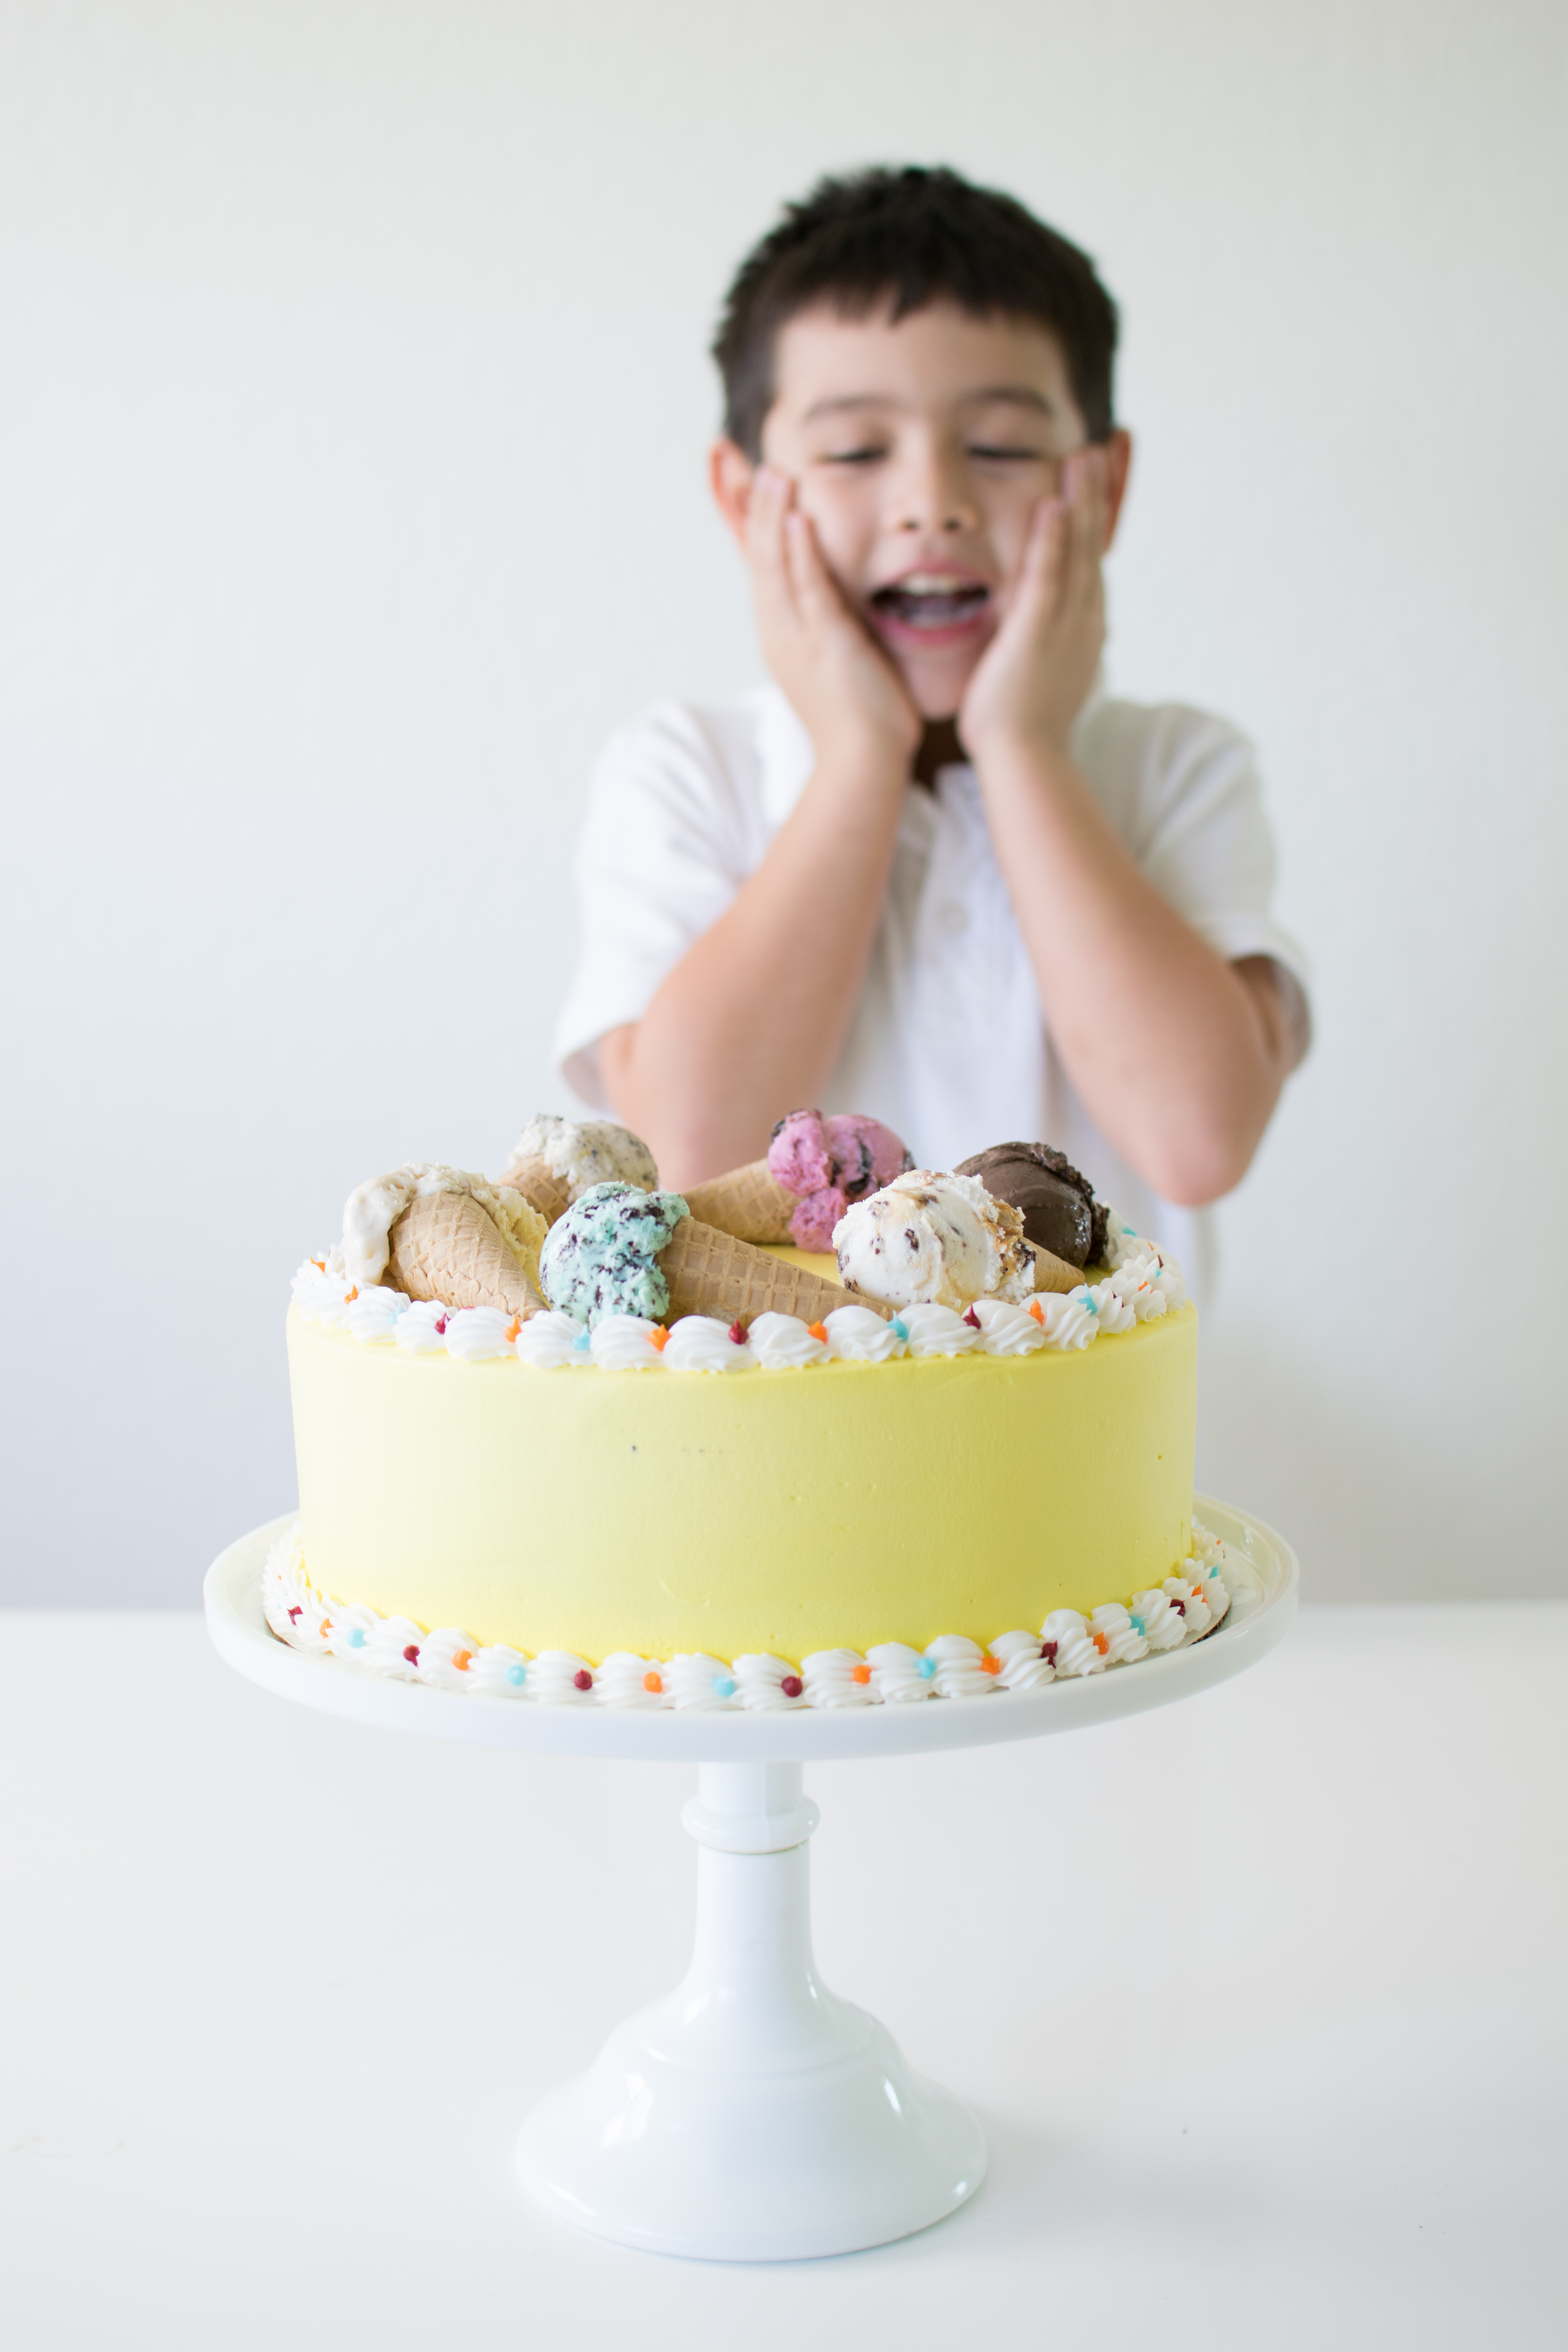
(950, 1045)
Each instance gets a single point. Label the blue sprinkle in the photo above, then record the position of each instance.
(1137, 1625)
(357, 1637)
(928, 1668)
(583, 1341)
(1093, 1305)
(899, 1325)
(517, 1676)
(724, 1686)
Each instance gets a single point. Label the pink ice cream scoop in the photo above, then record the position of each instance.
(827, 1163)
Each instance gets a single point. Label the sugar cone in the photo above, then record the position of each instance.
(1053, 1273)
(747, 1202)
(550, 1194)
(710, 1273)
(444, 1246)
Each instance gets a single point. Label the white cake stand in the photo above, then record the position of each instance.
(753, 2116)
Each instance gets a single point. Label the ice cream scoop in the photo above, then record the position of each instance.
(373, 1208)
(555, 1160)
(602, 1257)
(828, 1162)
(928, 1239)
(1058, 1205)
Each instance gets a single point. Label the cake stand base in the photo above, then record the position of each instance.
(751, 2116)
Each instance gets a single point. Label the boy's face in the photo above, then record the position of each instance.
(920, 451)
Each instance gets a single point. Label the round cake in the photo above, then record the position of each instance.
(888, 1498)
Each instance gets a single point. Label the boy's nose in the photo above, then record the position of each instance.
(931, 497)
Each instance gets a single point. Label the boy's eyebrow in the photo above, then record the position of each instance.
(1018, 395)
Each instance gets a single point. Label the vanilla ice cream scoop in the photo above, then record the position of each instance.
(934, 1240)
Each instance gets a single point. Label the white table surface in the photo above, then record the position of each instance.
(1261, 2000)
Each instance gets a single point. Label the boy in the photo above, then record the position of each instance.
(931, 872)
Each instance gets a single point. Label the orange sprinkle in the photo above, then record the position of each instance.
(990, 1665)
(1101, 1643)
(351, 1296)
(652, 1682)
(326, 1627)
(320, 1262)
(658, 1337)
(859, 1674)
(514, 1327)
(818, 1331)
(460, 1659)
(1036, 1310)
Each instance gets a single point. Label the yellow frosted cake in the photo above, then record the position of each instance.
(571, 1442)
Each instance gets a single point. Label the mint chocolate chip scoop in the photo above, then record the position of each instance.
(1058, 1205)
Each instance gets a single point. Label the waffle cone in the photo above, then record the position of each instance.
(1052, 1273)
(548, 1194)
(747, 1202)
(444, 1246)
(712, 1273)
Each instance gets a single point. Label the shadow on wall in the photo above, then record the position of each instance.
(1367, 1517)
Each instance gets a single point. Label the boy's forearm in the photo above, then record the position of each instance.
(750, 1023)
(1178, 1056)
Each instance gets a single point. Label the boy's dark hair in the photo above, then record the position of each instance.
(913, 237)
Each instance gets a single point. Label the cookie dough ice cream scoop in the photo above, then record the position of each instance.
(555, 1160)
(928, 1239)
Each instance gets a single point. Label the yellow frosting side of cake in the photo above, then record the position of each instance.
(787, 1511)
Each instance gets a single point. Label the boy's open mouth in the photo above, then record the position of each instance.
(925, 600)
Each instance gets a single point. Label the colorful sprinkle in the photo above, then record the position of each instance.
(926, 1669)
(1137, 1625)
(1101, 1643)
(723, 1686)
(320, 1262)
(462, 1659)
(738, 1332)
(581, 1679)
(412, 1654)
(1179, 1606)
(972, 1320)
(1048, 1652)
(295, 1615)
(658, 1337)
(990, 1665)
(440, 1326)
(818, 1331)
(899, 1325)
(1036, 1310)
(652, 1682)
(517, 1675)
(357, 1637)
(514, 1327)
(792, 1686)
(326, 1627)
(861, 1674)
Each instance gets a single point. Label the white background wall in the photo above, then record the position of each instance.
(353, 416)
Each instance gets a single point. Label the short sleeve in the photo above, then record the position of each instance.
(1184, 791)
(663, 851)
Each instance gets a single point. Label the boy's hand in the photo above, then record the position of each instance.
(1035, 674)
(846, 691)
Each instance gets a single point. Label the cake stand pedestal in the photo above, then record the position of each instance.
(751, 2116)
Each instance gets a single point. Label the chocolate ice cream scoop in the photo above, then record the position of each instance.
(1058, 1205)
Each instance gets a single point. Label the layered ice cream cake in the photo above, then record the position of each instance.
(830, 1430)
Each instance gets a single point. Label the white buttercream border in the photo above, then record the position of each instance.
(1170, 1616)
(1143, 1283)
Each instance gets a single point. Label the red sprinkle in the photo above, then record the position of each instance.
(582, 1680)
(738, 1332)
(1179, 1606)
(972, 1320)
(792, 1686)
(441, 1325)
(1048, 1652)
(412, 1654)
(295, 1615)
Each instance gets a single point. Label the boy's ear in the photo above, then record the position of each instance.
(731, 474)
(1118, 465)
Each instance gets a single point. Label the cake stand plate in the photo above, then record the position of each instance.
(752, 2115)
